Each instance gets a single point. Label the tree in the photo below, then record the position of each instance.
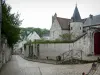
(10, 25)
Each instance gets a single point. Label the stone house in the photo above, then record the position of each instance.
(78, 27)
(61, 26)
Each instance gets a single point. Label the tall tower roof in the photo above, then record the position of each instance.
(76, 15)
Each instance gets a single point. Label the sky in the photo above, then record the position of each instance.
(38, 13)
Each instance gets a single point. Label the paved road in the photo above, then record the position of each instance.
(19, 66)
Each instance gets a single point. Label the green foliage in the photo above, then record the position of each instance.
(66, 36)
(42, 41)
(10, 25)
(48, 41)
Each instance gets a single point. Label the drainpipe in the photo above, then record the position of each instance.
(0, 35)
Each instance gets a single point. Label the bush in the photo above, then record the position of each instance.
(89, 55)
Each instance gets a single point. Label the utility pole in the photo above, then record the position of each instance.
(0, 31)
(0, 20)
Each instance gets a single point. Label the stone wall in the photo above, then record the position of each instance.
(55, 30)
(55, 49)
(5, 53)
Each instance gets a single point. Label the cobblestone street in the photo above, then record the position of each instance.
(20, 66)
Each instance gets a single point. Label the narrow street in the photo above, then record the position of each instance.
(20, 66)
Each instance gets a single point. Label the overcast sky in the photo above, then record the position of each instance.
(38, 13)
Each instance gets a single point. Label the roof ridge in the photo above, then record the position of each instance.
(63, 18)
(96, 15)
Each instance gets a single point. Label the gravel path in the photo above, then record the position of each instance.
(20, 66)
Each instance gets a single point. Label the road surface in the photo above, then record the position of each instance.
(20, 66)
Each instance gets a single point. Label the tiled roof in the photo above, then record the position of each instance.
(64, 23)
(94, 20)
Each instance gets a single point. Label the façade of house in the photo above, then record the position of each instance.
(87, 29)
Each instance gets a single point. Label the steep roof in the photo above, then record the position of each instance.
(32, 36)
(76, 15)
(64, 23)
(92, 20)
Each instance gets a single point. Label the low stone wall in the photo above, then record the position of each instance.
(51, 50)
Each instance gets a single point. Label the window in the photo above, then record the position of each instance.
(84, 41)
(71, 28)
(80, 28)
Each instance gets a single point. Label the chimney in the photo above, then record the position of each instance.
(55, 15)
(52, 19)
(91, 16)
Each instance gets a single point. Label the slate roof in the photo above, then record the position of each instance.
(83, 20)
(64, 23)
(47, 34)
(94, 20)
(76, 15)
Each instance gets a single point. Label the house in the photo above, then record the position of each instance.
(59, 26)
(33, 36)
(64, 25)
(78, 27)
